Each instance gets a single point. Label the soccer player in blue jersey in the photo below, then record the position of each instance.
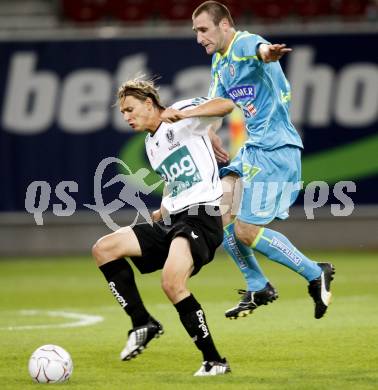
(267, 168)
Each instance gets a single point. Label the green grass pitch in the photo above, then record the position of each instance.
(280, 346)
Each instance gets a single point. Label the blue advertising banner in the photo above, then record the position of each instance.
(58, 120)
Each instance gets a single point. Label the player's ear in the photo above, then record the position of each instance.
(149, 103)
(224, 23)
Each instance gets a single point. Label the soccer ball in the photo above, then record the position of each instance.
(50, 364)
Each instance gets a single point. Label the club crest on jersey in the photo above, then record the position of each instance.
(232, 70)
(242, 92)
(170, 135)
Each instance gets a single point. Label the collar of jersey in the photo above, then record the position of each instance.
(158, 128)
(230, 45)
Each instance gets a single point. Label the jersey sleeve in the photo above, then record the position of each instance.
(199, 124)
(249, 44)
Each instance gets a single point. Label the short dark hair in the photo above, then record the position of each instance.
(217, 12)
(141, 90)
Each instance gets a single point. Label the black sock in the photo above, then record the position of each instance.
(194, 321)
(120, 277)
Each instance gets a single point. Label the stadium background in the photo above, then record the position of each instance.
(60, 65)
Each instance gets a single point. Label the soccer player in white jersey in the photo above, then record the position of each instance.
(245, 68)
(187, 238)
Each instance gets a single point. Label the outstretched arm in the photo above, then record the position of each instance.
(214, 107)
(271, 53)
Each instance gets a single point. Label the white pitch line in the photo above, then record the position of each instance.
(82, 320)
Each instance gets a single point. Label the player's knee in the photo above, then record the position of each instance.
(100, 252)
(246, 235)
(96, 253)
(227, 218)
(168, 286)
(172, 287)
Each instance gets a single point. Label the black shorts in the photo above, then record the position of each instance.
(204, 232)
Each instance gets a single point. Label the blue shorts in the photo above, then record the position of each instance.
(270, 182)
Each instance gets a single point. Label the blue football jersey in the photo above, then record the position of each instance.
(261, 90)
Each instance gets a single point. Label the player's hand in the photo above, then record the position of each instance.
(271, 53)
(156, 215)
(170, 115)
(220, 153)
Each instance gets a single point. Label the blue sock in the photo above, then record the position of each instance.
(245, 260)
(278, 248)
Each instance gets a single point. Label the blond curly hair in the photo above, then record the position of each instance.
(141, 90)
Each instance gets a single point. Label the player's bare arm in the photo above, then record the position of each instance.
(271, 53)
(214, 107)
(162, 212)
(220, 153)
(156, 215)
(171, 115)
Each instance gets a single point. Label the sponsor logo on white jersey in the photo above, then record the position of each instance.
(179, 171)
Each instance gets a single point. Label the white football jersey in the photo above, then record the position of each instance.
(181, 153)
